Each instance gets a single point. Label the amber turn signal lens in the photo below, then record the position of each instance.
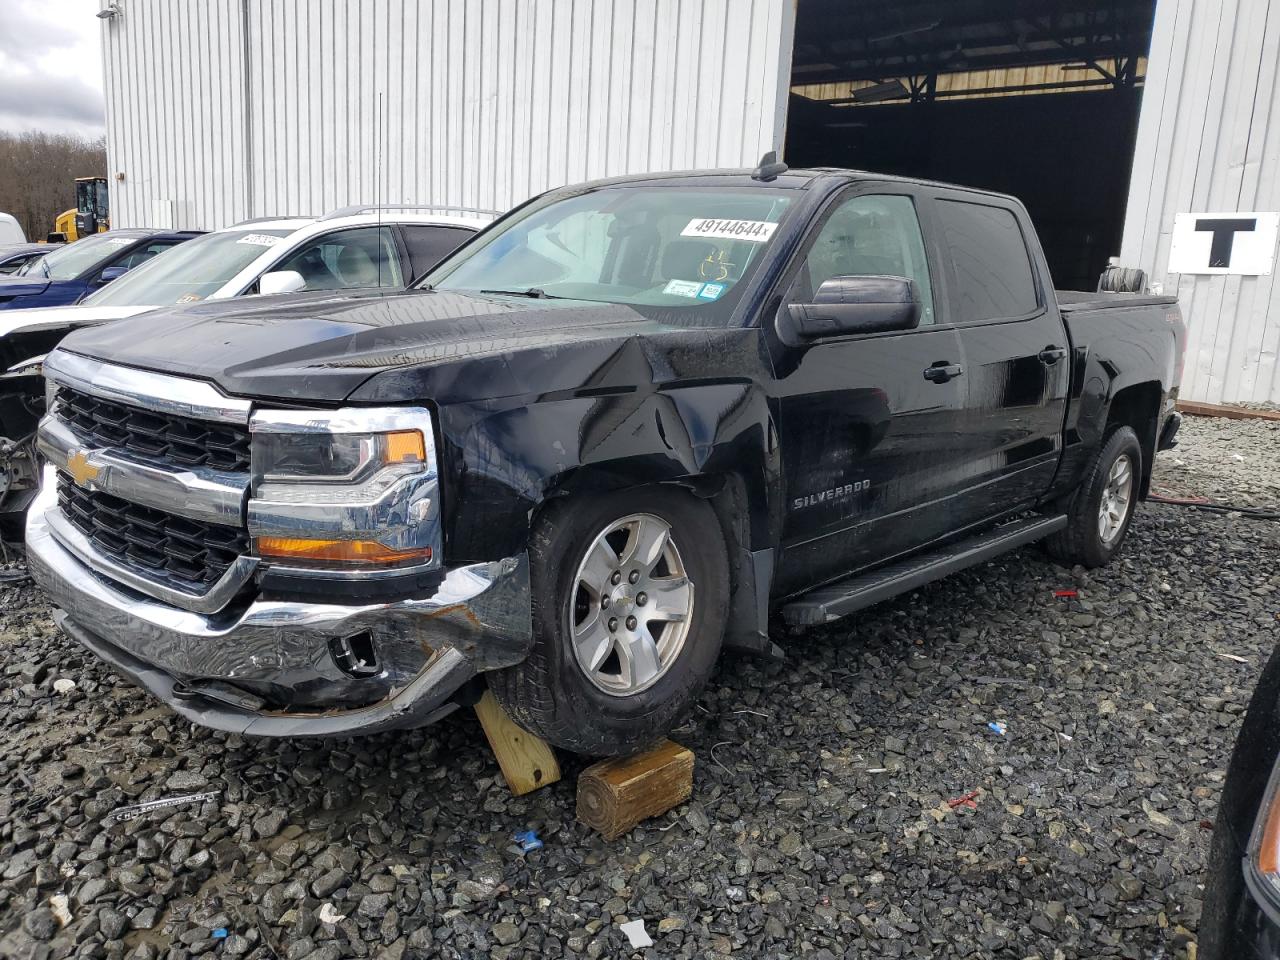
(1269, 851)
(337, 551)
(405, 446)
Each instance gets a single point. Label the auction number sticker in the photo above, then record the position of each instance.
(757, 231)
(682, 288)
(259, 239)
(121, 241)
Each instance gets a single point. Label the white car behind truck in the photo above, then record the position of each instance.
(352, 248)
(11, 230)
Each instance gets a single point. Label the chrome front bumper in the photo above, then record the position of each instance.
(269, 669)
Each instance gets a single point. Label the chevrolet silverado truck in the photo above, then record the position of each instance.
(623, 427)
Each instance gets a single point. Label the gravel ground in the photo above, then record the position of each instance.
(820, 826)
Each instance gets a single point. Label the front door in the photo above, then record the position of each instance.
(1015, 355)
(867, 438)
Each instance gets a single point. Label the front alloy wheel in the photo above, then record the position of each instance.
(632, 605)
(629, 596)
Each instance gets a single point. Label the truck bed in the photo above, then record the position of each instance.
(1072, 301)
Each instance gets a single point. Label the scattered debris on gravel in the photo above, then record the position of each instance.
(990, 766)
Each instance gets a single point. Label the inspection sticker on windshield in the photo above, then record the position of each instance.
(711, 291)
(757, 231)
(683, 288)
(259, 239)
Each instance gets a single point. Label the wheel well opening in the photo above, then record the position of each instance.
(1138, 407)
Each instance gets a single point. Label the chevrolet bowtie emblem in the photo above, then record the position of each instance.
(81, 470)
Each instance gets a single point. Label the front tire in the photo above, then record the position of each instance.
(630, 598)
(1101, 509)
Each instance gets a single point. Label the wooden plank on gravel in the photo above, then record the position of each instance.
(527, 761)
(1198, 409)
(614, 795)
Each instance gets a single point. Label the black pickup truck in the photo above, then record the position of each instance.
(620, 428)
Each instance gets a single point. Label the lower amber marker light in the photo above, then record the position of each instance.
(337, 551)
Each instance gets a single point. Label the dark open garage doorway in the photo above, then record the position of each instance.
(1036, 98)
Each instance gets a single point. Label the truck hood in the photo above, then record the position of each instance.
(323, 349)
(53, 318)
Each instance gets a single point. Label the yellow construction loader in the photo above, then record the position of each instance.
(92, 213)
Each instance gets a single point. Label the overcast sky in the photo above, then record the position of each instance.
(51, 65)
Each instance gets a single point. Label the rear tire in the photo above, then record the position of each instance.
(594, 683)
(1101, 509)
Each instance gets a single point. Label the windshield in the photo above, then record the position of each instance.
(670, 247)
(67, 263)
(190, 271)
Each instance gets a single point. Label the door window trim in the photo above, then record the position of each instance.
(872, 188)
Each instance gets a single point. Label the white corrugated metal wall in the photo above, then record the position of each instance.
(175, 102)
(1209, 141)
(478, 103)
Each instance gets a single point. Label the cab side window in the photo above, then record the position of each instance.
(363, 257)
(869, 235)
(989, 258)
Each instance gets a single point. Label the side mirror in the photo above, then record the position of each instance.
(281, 281)
(111, 273)
(845, 305)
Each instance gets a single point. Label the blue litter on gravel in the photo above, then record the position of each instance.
(995, 726)
(220, 933)
(528, 841)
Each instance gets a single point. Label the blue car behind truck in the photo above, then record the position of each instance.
(67, 275)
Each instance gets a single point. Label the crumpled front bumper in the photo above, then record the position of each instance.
(269, 668)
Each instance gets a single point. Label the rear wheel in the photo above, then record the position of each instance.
(1101, 509)
(630, 595)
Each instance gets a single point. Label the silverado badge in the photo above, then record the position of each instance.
(82, 471)
(835, 493)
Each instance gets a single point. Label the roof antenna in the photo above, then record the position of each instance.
(769, 168)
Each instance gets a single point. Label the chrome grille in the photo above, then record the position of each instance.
(184, 553)
(158, 436)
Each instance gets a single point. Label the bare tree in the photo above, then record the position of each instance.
(38, 172)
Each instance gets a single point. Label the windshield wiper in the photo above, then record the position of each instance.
(534, 293)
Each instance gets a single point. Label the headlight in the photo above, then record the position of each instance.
(334, 458)
(346, 488)
(1262, 865)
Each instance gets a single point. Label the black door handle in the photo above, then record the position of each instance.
(942, 372)
(1051, 355)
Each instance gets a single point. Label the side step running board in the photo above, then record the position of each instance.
(847, 596)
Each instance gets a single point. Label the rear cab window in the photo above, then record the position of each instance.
(988, 256)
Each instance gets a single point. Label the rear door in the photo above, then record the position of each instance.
(1016, 362)
(868, 440)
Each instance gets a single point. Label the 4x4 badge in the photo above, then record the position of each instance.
(81, 470)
